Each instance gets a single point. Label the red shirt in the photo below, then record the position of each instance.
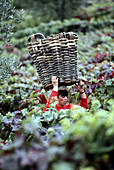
(53, 97)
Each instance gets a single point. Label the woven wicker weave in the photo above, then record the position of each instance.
(55, 56)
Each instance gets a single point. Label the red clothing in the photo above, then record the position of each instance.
(53, 97)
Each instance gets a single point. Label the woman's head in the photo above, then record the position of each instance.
(62, 97)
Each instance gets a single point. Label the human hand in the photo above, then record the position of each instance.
(54, 80)
(81, 86)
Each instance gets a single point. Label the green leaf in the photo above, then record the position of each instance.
(24, 112)
(31, 124)
(63, 166)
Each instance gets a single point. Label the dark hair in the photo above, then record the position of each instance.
(62, 93)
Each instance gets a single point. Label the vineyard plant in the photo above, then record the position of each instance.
(76, 139)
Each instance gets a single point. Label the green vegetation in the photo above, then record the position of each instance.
(8, 17)
(76, 139)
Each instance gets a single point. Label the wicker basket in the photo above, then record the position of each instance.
(55, 56)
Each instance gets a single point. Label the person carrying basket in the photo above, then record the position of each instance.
(61, 95)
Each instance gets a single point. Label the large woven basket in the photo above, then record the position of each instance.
(55, 56)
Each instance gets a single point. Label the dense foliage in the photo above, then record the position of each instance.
(47, 10)
(8, 16)
(76, 139)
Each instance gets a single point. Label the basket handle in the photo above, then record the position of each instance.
(36, 37)
(39, 36)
